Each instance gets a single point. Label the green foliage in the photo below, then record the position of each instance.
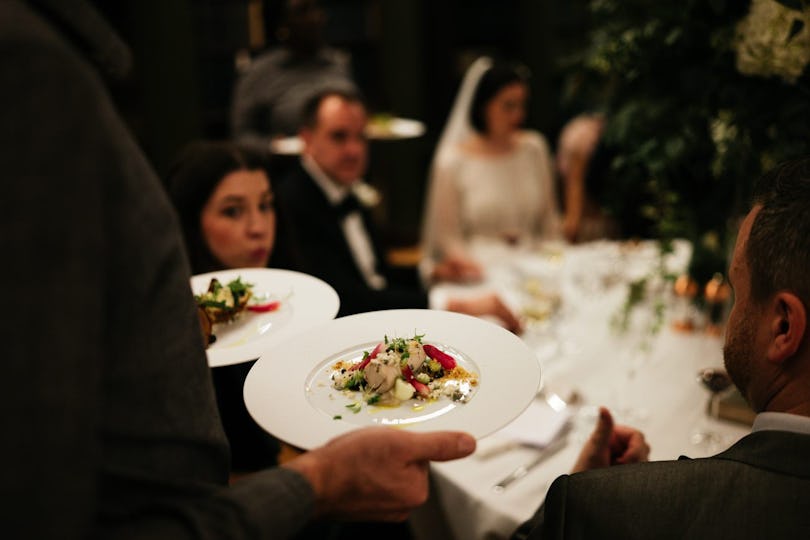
(689, 133)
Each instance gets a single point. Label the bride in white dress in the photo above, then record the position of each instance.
(490, 179)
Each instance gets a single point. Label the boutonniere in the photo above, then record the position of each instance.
(368, 195)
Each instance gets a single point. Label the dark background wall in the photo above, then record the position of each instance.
(408, 57)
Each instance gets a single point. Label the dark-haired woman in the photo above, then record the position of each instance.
(224, 200)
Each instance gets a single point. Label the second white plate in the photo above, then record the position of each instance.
(306, 301)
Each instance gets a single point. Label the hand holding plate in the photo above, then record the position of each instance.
(377, 474)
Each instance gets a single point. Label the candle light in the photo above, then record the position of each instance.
(685, 289)
(717, 293)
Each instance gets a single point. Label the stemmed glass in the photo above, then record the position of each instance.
(715, 380)
(538, 280)
(634, 337)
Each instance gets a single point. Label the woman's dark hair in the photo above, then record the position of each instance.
(493, 80)
(190, 181)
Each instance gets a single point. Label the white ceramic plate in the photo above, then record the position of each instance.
(306, 301)
(288, 392)
(287, 146)
(394, 128)
(391, 128)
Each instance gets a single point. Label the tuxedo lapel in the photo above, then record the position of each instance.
(335, 216)
(318, 235)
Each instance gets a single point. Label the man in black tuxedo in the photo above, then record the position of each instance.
(760, 487)
(326, 231)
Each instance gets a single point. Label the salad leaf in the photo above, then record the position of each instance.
(213, 303)
(239, 288)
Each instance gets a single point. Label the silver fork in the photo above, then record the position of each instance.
(521, 471)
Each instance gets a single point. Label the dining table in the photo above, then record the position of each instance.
(600, 318)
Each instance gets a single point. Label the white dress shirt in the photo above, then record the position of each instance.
(781, 422)
(354, 231)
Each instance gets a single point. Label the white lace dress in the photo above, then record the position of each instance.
(506, 197)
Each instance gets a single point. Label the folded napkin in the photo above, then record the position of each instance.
(537, 426)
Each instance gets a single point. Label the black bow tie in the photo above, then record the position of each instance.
(349, 204)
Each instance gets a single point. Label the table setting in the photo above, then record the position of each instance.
(597, 333)
(594, 348)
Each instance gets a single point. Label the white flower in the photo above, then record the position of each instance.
(764, 45)
(366, 194)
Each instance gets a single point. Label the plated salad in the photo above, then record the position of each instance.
(401, 370)
(225, 303)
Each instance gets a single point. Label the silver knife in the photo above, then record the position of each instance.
(524, 469)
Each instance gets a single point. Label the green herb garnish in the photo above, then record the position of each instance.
(354, 407)
(355, 381)
(399, 345)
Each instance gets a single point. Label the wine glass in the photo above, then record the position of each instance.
(715, 380)
(634, 341)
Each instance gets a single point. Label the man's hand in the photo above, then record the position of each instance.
(611, 445)
(458, 269)
(377, 474)
(487, 304)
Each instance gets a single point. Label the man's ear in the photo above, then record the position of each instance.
(787, 327)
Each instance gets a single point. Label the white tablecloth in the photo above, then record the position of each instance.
(580, 353)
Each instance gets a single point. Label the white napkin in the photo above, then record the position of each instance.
(537, 426)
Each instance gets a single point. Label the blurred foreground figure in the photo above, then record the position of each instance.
(760, 487)
(108, 413)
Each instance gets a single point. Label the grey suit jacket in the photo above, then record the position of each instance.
(759, 488)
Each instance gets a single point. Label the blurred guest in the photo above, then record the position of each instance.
(226, 207)
(760, 487)
(331, 228)
(107, 407)
(490, 179)
(581, 164)
(269, 96)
